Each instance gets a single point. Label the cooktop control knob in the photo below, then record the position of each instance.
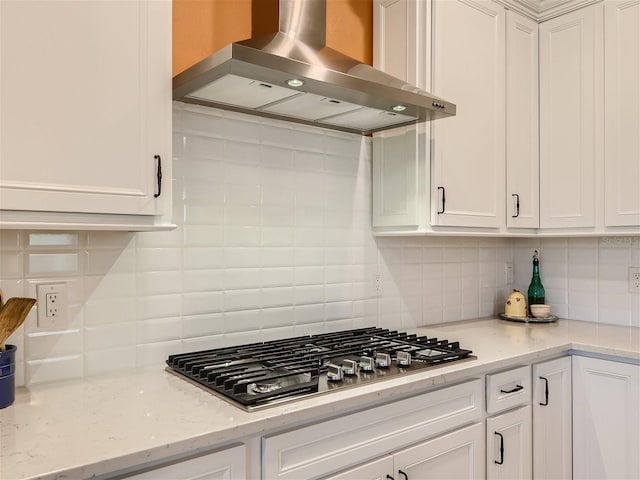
(403, 359)
(349, 367)
(334, 373)
(383, 360)
(366, 364)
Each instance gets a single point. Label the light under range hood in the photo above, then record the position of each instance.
(292, 75)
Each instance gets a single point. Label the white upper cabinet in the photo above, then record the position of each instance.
(622, 112)
(569, 67)
(85, 105)
(522, 132)
(468, 161)
(398, 154)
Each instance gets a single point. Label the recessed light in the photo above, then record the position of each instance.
(295, 82)
(398, 108)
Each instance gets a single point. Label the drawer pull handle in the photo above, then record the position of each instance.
(501, 449)
(546, 392)
(406, 477)
(514, 390)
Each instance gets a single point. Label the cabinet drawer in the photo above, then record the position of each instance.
(320, 449)
(508, 389)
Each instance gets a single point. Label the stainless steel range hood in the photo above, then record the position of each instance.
(292, 75)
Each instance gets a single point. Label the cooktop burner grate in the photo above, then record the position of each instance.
(265, 373)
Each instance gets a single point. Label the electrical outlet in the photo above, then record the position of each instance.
(634, 279)
(508, 273)
(378, 285)
(52, 305)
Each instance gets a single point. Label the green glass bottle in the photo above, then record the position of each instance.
(536, 290)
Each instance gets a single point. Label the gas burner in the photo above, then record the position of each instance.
(262, 374)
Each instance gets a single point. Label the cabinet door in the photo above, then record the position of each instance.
(622, 112)
(522, 122)
(569, 64)
(457, 455)
(606, 419)
(509, 445)
(229, 464)
(469, 149)
(552, 419)
(398, 155)
(375, 470)
(85, 104)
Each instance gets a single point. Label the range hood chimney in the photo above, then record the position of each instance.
(292, 75)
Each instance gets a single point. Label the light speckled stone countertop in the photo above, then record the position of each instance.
(92, 426)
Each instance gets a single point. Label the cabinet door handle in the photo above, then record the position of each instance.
(443, 200)
(406, 477)
(517, 205)
(546, 392)
(501, 449)
(159, 175)
(389, 477)
(513, 390)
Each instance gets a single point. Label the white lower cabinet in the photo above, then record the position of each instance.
(606, 419)
(374, 470)
(329, 447)
(456, 455)
(552, 419)
(227, 464)
(509, 444)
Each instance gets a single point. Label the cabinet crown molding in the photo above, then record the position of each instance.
(542, 10)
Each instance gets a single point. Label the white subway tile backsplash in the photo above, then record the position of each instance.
(239, 257)
(194, 326)
(241, 236)
(274, 240)
(52, 369)
(158, 330)
(203, 258)
(158, 306)
(42, 345)
(36, 240)
(11, 240)
(113, 359)
(157, 283)
(277, 277)
(276, 236)
(110, 310)
(202, 303)
(203, 235)
(153, 259)
(12, 264)
(52, 263)
(103, 261)
(109, 336)
(156, 353)
(242, 321)
(202, 280)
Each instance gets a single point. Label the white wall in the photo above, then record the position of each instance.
(273, 240)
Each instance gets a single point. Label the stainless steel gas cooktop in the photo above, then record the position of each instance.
(262, 374)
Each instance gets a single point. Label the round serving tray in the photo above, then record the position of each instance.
(549, 319)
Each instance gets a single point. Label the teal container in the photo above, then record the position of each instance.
(7, 376)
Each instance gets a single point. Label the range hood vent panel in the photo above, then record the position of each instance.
(251, 77)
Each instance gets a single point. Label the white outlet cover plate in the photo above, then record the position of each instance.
(634, 279)
(51, 323)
